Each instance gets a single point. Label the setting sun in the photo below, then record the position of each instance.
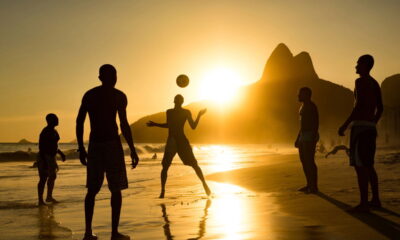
(220, 85)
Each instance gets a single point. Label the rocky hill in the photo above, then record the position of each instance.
(268, 110)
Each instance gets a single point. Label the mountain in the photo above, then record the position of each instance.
(268, 109)
(389, 126)
(24, 141)
(390, 91)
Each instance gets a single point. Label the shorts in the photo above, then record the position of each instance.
(184, 150)
(362, 146)
(47, 165)
(106, 158)
(307, 152)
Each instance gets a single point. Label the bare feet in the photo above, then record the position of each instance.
(119, 236)
(90, 236)
(376, 203)
(303, 189)
(312, 190)
(359, 209)
(52, 200)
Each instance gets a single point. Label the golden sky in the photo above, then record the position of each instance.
(51, 50)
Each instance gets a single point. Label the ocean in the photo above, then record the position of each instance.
(22, 219)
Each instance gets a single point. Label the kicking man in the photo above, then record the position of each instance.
(177, 141)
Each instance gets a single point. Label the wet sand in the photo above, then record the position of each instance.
(248, 203)
(324, 215)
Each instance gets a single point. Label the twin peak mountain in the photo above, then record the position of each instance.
(268, 110)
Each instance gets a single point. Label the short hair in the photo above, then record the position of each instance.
(367, 60)
(107, 69)
(51, 117)
(307, 91)
(179, 99)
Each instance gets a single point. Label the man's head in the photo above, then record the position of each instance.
(108, 75)
(178, 100)
(364, 64)
(304, 94)
(52, 119)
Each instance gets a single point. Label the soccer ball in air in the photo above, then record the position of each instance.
(182, 80)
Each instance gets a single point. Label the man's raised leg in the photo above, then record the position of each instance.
(199, 173)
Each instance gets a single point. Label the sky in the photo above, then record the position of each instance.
(50, 51)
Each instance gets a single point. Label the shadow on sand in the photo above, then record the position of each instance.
(382, 225)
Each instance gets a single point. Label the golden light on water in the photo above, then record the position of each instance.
(221, 85)
(230, 212)
(223, 158)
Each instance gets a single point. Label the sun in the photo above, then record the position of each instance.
(220, 85)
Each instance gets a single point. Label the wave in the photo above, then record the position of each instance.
(29, 156)
(156, 149)
(17, 205)
(18, 156)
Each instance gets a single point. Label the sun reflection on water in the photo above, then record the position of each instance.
(232, 215)
(221, 158)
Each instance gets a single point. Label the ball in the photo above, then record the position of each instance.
(182, 80)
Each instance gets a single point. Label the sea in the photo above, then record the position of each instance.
(143, 214)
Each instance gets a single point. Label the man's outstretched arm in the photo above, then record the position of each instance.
(154, 124)
(127, 133)
(80, 120)
(193, 124)
(161, 125)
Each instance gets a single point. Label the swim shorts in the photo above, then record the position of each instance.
(106, 158)
(180, 146)
(47, 165)
(362, 145)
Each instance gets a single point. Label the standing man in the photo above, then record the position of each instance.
(307, 139)
(177, 141)
(106, 155)
(366, 113)
(46, 163)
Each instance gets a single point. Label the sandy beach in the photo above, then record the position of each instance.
(324, 216)
(256, 201)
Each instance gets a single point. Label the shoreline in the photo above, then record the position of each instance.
(338, 192)
(256, 202)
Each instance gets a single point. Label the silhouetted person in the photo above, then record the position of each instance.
(307, 139)
(177, 141)
(46, 162)
(338, 148)
(106, 155)
(366, 113)
(154, 156)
